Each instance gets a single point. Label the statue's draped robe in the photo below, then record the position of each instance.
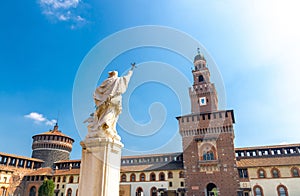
(108, 101)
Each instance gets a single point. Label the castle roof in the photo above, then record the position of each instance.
(68, 161)
(20, 157)
(45, 171)
(5, 169)
(55, 132)
(267, 147)
(269, 161)
(199, 56)
(67, 172)
(152, 155)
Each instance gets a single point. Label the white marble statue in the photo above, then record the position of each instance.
(108, 100)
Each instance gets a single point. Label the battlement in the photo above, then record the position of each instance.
(151, 159)
(210, 122)
(202, 88)
(15, 161)
(267, 151)
(67, 164)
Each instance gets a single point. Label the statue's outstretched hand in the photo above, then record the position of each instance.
(132, 66)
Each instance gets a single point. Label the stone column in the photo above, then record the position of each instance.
(8, 160)
(100, 167)
(17, 162)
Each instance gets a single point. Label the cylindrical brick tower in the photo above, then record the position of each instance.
(51, 146)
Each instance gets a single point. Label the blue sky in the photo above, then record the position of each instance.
(255, 45)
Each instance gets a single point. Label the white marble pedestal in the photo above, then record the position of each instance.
(100, 167)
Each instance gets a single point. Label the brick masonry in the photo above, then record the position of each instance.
(208, 131)
(50, 156)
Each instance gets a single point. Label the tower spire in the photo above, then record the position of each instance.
(55, 127)
(57, 117)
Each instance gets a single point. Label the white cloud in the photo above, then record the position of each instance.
(35, 116)
(63, 11)
(39, 118)
(63, 17)
(51, 122)
(56, 4)
(79, 18)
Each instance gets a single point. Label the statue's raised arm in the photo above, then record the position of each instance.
(108, 101)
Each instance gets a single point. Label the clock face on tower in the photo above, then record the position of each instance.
(202, 101)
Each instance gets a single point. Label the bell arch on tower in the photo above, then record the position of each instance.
(201, 78)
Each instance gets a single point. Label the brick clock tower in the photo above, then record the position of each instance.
(207, 139)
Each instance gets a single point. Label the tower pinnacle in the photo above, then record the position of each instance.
(203, 94)
(55, 127)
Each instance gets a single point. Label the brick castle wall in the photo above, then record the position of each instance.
(222, 172)
(50, 156)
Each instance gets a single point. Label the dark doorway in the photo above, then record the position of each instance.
(212, 189)
(153, 191)
(139, 192)
(32, 191)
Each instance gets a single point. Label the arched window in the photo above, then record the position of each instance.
(69, 192)
(261, 173)
(64, 179)
(258, 191)
(32, 191)
(123, 178)
(208, 151)
(152, 177)
(170, 175)
(153, 191)
(181, 174)
(282, 190)
(58, 179)
(209, 155)
(295, 172)
(71, 179)
(162, 176)
(132, 178)
(142, 177)
(275, 173)
(139, 192)
(201, 78)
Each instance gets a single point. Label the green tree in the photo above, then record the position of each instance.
(47, 188)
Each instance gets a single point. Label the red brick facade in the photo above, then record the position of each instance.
(208, 140)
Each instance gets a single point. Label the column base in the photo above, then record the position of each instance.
(100, 167)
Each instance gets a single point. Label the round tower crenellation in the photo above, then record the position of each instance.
(52, 146)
